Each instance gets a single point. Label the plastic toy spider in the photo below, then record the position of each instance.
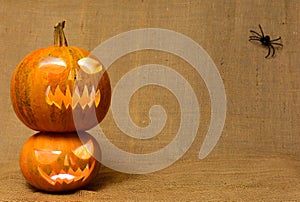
(265, 40)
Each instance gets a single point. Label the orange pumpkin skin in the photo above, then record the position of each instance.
(59, 162)
(49, 88)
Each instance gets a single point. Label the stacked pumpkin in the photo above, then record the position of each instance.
(60, 91)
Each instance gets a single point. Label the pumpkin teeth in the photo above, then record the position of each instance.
(68, 176)
(92, 97)
(85, 98)
(86, 172)
(62, 177)
(58, 98)
(46, 177)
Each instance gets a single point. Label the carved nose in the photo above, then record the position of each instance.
(66, 161)
(73, 75)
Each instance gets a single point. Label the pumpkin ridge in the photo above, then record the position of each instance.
(19, 90)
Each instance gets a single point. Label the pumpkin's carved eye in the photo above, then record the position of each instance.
(52, 65)
(46, 156)
(89, 65)
(85, 151)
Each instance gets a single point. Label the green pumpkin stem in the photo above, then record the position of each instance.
(59, 35)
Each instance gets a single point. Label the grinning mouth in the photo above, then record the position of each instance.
(68, 176)
(58, 98)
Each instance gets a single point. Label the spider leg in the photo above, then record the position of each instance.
(262, 32)
(268, 52)
(254, 38)
(254, 32)
(276, 39)
(272, 49)
(257, 39)
(278, 44)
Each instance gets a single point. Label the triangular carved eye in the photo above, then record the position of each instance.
(90, 65)
(46, 156)
(85, 151)
(52, 65)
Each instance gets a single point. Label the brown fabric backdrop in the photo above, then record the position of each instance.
(257, 157)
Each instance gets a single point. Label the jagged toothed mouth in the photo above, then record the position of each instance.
(84, 99)
(69, 176)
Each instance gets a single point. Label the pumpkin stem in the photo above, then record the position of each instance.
(59, 35)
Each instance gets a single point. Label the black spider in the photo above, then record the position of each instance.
(265, 41)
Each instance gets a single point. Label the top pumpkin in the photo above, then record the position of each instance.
(60, 88)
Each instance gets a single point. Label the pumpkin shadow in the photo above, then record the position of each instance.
(33, 189)
(107, 177)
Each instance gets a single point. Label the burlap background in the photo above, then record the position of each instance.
(257, 157)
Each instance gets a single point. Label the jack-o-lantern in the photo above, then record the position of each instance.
(60, 162)
(52, 84)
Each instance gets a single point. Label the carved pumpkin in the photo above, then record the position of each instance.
(52, 84)
(59, 162)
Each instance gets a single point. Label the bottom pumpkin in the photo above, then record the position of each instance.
(57, 162)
